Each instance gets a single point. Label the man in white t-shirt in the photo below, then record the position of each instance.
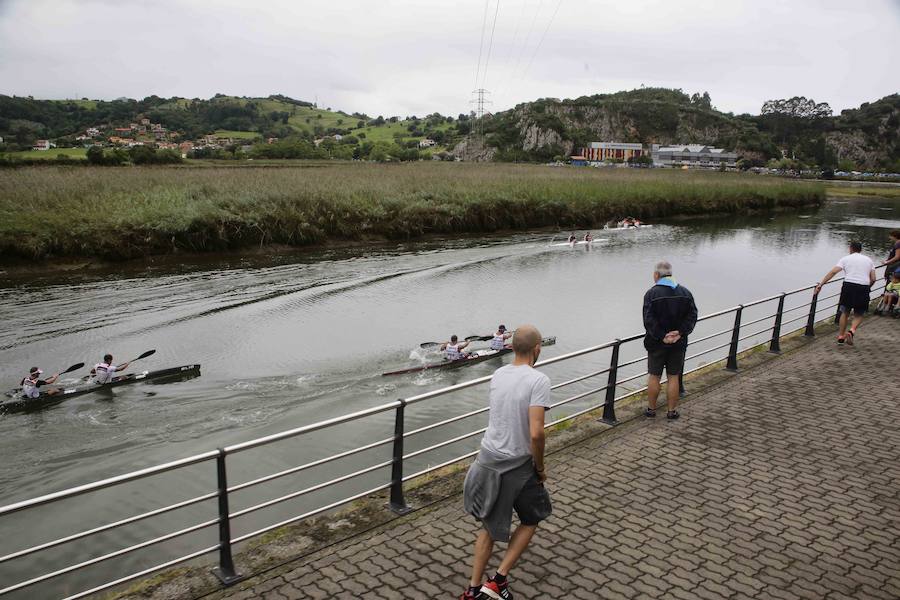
(859, 276)
(509, 471)
(105, 372)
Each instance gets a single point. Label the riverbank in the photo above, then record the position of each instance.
(117, 214)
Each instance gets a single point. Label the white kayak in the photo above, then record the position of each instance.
(579, 243)
(629, 228)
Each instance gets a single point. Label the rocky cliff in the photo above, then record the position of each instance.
(551, 128)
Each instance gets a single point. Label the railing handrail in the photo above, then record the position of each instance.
(226, 571)
(209, 455)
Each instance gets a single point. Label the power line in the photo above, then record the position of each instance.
(541, 41)
(490, 45)
(510, 77)
(481, 45)
(512, 44)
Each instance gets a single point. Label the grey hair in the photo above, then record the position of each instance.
(664, 268)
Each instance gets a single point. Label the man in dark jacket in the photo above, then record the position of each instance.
(669, 317)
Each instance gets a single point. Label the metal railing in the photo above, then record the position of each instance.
(222, 519)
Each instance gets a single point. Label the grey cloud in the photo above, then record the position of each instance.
(408, 56)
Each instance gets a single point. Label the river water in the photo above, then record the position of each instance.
(290, 339)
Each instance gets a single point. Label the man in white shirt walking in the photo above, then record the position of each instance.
(859, 276)
(509, 471)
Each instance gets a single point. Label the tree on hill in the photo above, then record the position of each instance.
(798, 107)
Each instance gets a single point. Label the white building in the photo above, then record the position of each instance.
(692, 155)
(427, 143)
(43, 145)
(615, 151)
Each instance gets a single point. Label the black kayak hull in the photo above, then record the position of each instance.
(18, 403)
(464, 362)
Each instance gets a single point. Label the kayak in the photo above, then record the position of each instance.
(475, 357)
(15, 402)
(579, 243)
(629, 228)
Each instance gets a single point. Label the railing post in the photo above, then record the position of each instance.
(225, 571)
(609, 406)
(811, 321)
(732, 364)
(775, 344)
(397, 502)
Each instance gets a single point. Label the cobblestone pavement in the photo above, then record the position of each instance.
(784, 483)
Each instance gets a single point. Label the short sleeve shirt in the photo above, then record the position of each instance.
(894, 250)
(514, 389)
(856, 268)
(104, 376)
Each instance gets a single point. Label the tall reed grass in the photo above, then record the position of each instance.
(119, 213)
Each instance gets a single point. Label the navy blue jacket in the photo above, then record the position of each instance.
(668, 309)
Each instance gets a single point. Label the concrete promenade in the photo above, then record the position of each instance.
(783, 482)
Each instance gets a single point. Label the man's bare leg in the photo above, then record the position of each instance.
(517, 544)
(652, 391)
(843, 324)
(857, 319)
(484, 545)
(673, 391)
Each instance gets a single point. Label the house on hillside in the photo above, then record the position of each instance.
(427, 143)
(92, 132)
(43, 145)
(145, 121)
(123, 131)
(692, 155)
(611, 151)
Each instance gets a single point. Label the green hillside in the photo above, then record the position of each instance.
(796, 131)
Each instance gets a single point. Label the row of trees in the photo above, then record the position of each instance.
(137, 155)
(299, 148)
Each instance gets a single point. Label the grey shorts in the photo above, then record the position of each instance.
(670, 358)
(533, 502)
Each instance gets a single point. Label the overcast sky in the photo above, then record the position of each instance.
(404, 57)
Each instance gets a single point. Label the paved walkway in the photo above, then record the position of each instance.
(783, 483)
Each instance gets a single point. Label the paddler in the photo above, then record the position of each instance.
(453, 350)
(32, 383)
(498, 342)
(572, 238)
(104, 372)
(588, 237)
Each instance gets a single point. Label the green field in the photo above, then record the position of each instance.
(119, 213)
(53, 153)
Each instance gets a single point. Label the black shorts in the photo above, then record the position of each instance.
(669, 357)
(855, 297)
(533, 502)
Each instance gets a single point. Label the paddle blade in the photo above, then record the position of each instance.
(424, 345)
(146, 354)
(72, 368)
(475, 338)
